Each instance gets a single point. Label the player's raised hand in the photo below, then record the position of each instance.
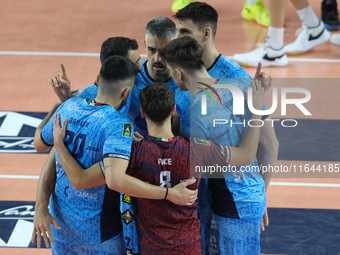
(181, 195)
(58, 131)
(257, 94)
(42, 227)
(61, 85)
(264, 78)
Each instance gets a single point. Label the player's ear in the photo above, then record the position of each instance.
(97, 80)
(173, 111)
(125, 92)
(142, 113)
(179, 73)
(207, 32)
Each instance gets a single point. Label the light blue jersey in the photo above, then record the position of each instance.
(182, 98)
(246, 187)
(94, 131)
(92, 91)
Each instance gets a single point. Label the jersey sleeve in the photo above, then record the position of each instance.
(47, 132)
(119, 141)
(205, 153)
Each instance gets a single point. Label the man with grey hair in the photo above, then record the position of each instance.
(159, 31)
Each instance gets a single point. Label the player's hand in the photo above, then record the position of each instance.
(42, 226)
(61, 85)
(137, 137)
(181, 195)
(265, 220)
(264, 78)
(257, 94)
(59, 132)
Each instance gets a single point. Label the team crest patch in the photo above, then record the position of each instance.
(201, 141)
(127, 130)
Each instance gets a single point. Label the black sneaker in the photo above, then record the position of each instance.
(329, 15)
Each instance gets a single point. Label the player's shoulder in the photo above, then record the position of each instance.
(181, 144)
(227, 68)
(116, 117)
(225, 61)
(183, 140)
(73, 101)
(118, 122)
(89, 91)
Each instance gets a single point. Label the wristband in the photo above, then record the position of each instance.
(166, 193)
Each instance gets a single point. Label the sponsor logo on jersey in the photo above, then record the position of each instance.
(127, 130)
(126, 199)
(201, 141)
(209, 93)
(127, 217)
(17, 131)
(70, 192)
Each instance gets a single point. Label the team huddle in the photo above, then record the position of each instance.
(120, 176)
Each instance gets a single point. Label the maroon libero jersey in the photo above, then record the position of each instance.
(167, 228)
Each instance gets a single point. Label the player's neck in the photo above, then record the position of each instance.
(114, 102)
(201, 76)
(210, 54)
(160, 130)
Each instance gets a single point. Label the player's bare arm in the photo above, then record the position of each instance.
(115, 175)
(118, 180)
(42, 218)
(39, 145)
(268, 150)
(268, 146)
(246, 153)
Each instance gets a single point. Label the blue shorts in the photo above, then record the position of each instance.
(236, 236)
(113, 246)
(204, 214)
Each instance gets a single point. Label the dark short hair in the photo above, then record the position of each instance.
(117, 46)
(157, 101)
(201, 14)
(184, 52)
(161, 27)
(118, 68)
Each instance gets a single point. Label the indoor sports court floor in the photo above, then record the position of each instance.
(37, 35)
